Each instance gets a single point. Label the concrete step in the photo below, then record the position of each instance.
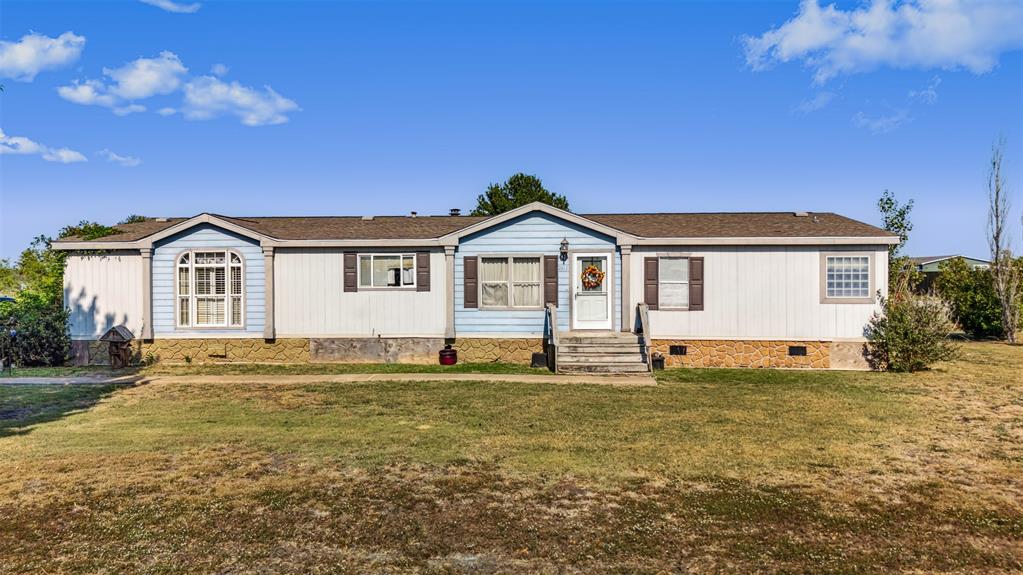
(601, 358)
(600, 340)
(570, 368)
(599, 348)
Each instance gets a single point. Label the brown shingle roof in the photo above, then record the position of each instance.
(706, 225)
(738, 225)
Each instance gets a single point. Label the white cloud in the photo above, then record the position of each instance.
(219, 70)
(166, 111)
(23, 59)
(24, 146)
(126, 161)
(881, 124)
(136, 80)
(208, 97)
(949, 34)
(820, 100)
(929, 94)
(147, 77)
(171, 6)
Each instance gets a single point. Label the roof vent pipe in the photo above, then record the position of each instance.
(414, 214)
(455, 212)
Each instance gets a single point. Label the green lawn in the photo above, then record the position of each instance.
(711, 470)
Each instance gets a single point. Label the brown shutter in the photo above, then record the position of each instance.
(351, 278)
(550, 280)
(422, 271)
(470, 275)
(650, 282)
(695, 284)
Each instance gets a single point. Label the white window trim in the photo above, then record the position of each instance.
(871, 278)
(661, 306)
(192, 295)
(510, 282)
(401, 258)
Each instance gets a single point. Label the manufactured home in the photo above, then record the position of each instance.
(598, 291)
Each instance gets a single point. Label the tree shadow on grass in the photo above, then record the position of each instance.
(23, 406)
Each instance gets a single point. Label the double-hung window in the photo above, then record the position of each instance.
(510, 282)
(210, 289)
(847, 278)
(387, 270)
(673, 283)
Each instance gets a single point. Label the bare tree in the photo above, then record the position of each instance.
(1004, 272)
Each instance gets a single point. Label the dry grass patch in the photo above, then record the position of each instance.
(712, 470)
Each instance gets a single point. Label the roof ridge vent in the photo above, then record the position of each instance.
(367, 218)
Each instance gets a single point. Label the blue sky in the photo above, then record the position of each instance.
(384, 108)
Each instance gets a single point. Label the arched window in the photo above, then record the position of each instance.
(210, 289)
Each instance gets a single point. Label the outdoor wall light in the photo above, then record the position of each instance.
(564, 249)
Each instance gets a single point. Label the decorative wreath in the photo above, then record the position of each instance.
(592, 277)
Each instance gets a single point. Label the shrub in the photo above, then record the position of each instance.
(42, 330)
(910, 334)
(971, 296)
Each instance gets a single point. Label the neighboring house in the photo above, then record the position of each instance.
(930, 266)
(723, 289)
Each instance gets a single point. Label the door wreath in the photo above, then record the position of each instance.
(592, 277)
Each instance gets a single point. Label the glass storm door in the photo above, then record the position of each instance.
(591, 300)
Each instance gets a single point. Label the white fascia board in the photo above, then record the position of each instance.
(404, 243)
(766, 241)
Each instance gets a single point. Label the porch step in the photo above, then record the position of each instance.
(601, 353)
(635, 356)
(584, 368)
(572, 348)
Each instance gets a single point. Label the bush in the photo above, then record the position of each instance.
(42, 337)
(911, 334)
(971, 296)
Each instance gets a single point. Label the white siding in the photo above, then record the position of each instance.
(103, 291)
(769, 292)
(309, 300)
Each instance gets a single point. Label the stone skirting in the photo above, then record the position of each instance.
(226, 350)
(422, 350)
(744, 353)
(510, 350)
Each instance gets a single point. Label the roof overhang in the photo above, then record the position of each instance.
(148, 241)
(619, 236)
(770, 241)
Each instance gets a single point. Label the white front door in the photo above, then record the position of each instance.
(591, 293)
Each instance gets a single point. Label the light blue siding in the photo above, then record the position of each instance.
(206, 236)
(532, 234)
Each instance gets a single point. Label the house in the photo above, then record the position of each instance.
(929, 264)
(712, 289)
(930, 267)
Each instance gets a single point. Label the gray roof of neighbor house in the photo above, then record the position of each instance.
(682, 225)
(923, 260)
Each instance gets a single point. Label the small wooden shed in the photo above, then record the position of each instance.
(118, 339)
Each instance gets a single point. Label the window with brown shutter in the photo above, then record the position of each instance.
(550, 280)
(695, 284)
(470, 282)
(350, 275)
(650, 282)
(422, 271)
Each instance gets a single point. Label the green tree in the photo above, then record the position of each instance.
(38, 313)
(132, 219)
(971, 296)
(519, 190)
(895, 219)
